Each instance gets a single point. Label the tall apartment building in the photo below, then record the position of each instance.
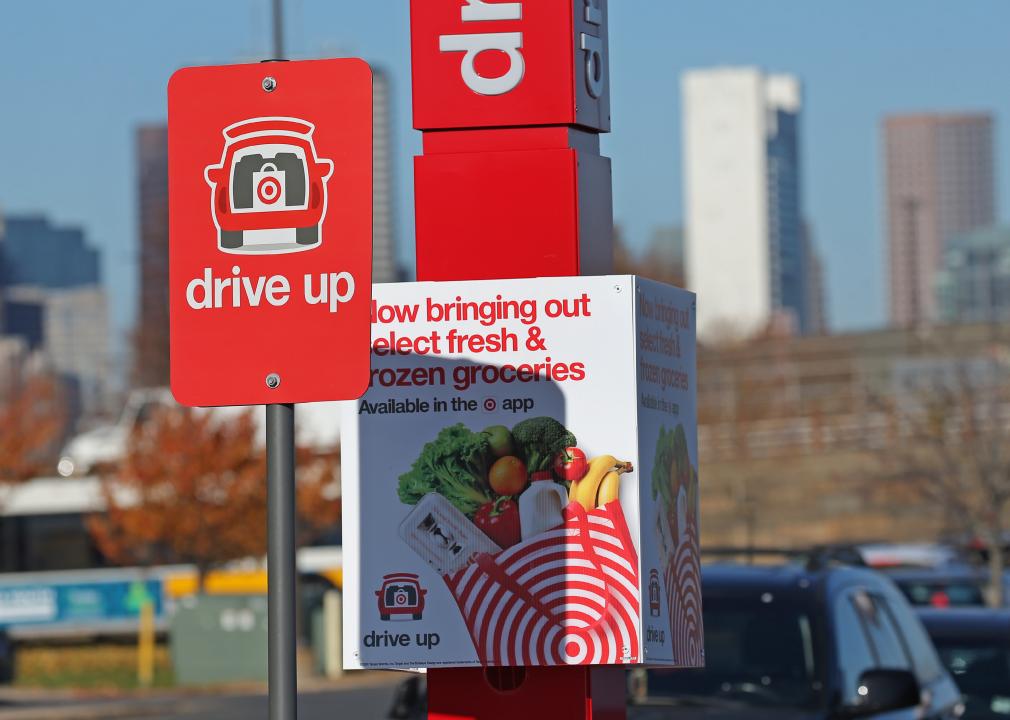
(38, 253)
(745, 252)
(815, 283)
(71, 328)
(54, 303)
(150, 348)
(940, 183)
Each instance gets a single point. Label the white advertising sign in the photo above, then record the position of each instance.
(520, 480)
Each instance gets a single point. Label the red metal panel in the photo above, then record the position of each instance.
(558, 693)
(494, 215)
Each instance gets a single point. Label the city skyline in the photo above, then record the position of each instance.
(53, 303)
(850, 89)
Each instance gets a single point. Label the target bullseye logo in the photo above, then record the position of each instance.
(575, 648)
(269, 190)
(565, 597)
(401, 598)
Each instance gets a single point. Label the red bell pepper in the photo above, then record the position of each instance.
(499, 520)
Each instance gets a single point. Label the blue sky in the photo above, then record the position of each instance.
(76, 78)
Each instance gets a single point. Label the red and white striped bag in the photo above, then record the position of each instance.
(682, 577)
(569, 596)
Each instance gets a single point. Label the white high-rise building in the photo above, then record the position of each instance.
(744, 225)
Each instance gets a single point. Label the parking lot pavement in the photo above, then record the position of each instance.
(362, 698)
(366, 703)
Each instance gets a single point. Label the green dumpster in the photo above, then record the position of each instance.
(220, 639)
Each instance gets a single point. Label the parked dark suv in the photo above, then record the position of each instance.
(792, 642)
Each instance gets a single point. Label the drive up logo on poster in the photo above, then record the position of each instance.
(520, 479)
(270, 223)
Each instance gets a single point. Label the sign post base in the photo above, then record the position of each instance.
(560, 693)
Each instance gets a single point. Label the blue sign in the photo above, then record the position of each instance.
(78, 603)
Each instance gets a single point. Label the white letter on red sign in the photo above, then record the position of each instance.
(201, 284)
(478, 10)
(474, 45)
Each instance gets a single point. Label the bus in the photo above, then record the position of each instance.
(54, 580)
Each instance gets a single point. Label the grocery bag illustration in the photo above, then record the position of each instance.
(675, 489)
(566, 597)
(682, 577)
(268, 184)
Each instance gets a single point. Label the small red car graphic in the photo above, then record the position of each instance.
(401, 594)
(268, 193)
(654, 593)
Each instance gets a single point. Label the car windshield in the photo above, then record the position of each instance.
(982, 672)
(758, 651)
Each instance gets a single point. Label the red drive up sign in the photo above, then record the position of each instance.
(478, 63)
(270, 229)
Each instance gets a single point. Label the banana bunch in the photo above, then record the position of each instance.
(601, 483)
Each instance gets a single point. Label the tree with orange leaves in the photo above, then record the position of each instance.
(32, 422)
(192, 489)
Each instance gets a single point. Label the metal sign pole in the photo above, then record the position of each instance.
(281, 563)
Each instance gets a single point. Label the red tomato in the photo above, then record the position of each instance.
(571, 464)
(507, 476)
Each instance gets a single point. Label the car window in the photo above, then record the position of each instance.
(854, 653)
(887, 643)
(759, 651)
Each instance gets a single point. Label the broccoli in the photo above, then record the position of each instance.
(455, 464)
(681, 457)
(539, 439)
(672, 467)
(665, 454)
